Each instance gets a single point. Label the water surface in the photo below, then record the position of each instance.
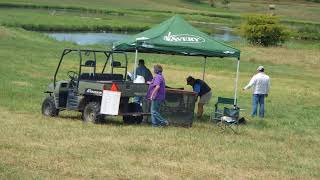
(81, 38)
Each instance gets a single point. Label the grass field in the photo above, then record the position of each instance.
(297, 10)
(283, 146)
(93, 16)
(67, 20)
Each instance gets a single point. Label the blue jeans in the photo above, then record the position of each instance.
(258, 99)
(156, 118)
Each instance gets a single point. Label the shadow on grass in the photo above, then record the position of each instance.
(204, 119)
(107, 120)
(117, 120)
(258, 123)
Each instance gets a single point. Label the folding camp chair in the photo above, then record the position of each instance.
(228, 117)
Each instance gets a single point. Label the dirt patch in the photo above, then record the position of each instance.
(22, 83)
(3, 32)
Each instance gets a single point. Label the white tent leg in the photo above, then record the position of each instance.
(204, 67)
(236, 83)
(135, 65)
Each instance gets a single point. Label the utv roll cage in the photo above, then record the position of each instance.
(93, 63)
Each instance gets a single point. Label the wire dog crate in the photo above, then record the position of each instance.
(178, 107)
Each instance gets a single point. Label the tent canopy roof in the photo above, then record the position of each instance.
(176, 36)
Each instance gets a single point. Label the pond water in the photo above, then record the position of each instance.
(81, 38)
(88, 38)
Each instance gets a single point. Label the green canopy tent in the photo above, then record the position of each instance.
(177, 37)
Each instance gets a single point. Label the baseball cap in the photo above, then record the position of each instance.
(189, 79)
(260, 68)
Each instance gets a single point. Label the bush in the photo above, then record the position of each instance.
(193, 1)
(264, 30)
(225, 2)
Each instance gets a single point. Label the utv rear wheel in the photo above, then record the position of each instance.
(49, 107)
(91, 113)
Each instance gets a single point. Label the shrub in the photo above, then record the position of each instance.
(225, 2)
(194, 1)
(264, 30)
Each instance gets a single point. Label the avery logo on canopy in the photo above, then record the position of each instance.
(184, 38)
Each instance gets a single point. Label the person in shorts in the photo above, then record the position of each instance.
(203, 91)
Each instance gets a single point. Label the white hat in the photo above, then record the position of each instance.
(260, 68)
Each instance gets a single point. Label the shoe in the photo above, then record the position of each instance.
(165, 124)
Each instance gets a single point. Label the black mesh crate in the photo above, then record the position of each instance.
(178, 107)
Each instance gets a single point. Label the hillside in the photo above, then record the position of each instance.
(285, 145)
(289, 9)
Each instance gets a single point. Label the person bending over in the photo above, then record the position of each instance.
(203, 91)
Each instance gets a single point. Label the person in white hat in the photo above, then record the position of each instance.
(260, 84)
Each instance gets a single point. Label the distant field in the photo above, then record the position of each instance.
(72, 20)
(294, 10)
(283, 146)
(52, 20)
(55, 16)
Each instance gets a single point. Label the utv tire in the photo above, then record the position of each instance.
(133, 107)
(91, 113)
(49, 107)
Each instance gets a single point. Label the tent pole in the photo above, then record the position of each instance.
(204, 67)
(135, 64)
(236, 83)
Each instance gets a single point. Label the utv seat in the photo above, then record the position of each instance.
(101, 77)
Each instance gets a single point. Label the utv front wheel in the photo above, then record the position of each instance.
(91, 113)
(49, 108)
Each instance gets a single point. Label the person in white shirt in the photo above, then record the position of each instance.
(260, 84)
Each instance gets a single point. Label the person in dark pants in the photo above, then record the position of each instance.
(156, 93)
(260, 84)
(203, 91)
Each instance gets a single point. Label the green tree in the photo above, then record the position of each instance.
(264, 30)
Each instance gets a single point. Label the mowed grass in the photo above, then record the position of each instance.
(293, 10)
(283, 146)
(65, 148)
(52, 19)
